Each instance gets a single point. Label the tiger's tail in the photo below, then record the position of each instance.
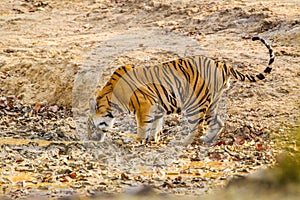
(249, 78)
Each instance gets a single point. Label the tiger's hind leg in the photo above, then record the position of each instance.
(194, 135)
(215, 125)
(197, 127)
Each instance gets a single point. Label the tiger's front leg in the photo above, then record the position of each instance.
(141, 133)
(149, 131)
(150, 122)
(156, 129)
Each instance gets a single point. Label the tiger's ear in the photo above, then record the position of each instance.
(93, 105)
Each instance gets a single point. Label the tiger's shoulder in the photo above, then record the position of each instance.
(120, 72)
(123, 70)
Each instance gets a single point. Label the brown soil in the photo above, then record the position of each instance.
(54, 54)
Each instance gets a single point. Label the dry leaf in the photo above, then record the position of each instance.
(240, 140)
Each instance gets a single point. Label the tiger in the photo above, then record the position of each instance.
(189, 86)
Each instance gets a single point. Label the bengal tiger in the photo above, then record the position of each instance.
(191, 86)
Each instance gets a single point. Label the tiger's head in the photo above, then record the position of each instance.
(104, 108)
(101, 117)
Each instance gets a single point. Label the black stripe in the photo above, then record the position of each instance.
(260, 76)
(178, 84)
(250, 78)
(268, 70)
(154, 119)
(192, 97)
(271, 61)
(182, 69)
(117, 74)
(216, 76)
(196, 121)
(233, 72)
(202, 110)
(132, 89)
(199, 103)
(242, 76)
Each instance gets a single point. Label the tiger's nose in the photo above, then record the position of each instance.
(99, 135)
(102, 124)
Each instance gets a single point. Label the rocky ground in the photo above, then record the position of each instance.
(54, 54)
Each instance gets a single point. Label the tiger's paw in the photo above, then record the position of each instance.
(146, 140)
(207, 140)
(140, 140)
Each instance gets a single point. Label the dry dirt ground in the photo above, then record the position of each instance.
(54, 54)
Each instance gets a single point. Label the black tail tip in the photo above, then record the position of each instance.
(271, 61)
(255, 38)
